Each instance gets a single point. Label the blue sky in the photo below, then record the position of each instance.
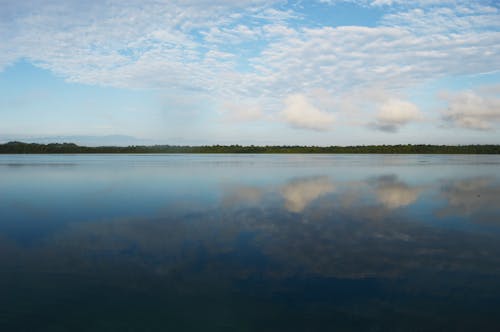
(324, 72)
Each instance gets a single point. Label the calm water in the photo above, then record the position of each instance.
(249, 243)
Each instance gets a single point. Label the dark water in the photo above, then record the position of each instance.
(249, 243)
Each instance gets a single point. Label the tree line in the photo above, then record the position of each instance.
(33, 148)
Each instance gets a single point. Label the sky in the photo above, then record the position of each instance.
(318, 72)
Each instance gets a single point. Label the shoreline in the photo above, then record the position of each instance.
(71, 148)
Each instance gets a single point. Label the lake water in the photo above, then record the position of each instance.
(249, 243)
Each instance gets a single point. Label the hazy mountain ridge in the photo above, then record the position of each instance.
(83, 140)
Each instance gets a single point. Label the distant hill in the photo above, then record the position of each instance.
(21, 147)
(84, 140)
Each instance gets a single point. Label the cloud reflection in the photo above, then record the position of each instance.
(299, 193)
(393, 193)
(235, 239)
(235, 196)
(477, 198)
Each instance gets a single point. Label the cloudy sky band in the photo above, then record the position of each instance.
(279, 70)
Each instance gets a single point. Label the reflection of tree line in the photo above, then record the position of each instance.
(20, 147)
(310, 230)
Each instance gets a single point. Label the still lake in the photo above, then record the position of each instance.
(249, 242)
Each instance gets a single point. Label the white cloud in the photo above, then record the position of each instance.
(382, 2)
(390, 57)
(300, 113)
(405, 3)
(234, 50)
(394, 113)
(241, 111)
(479, 110)
(122, 43)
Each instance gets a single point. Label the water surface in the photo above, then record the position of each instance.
(249, 243)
